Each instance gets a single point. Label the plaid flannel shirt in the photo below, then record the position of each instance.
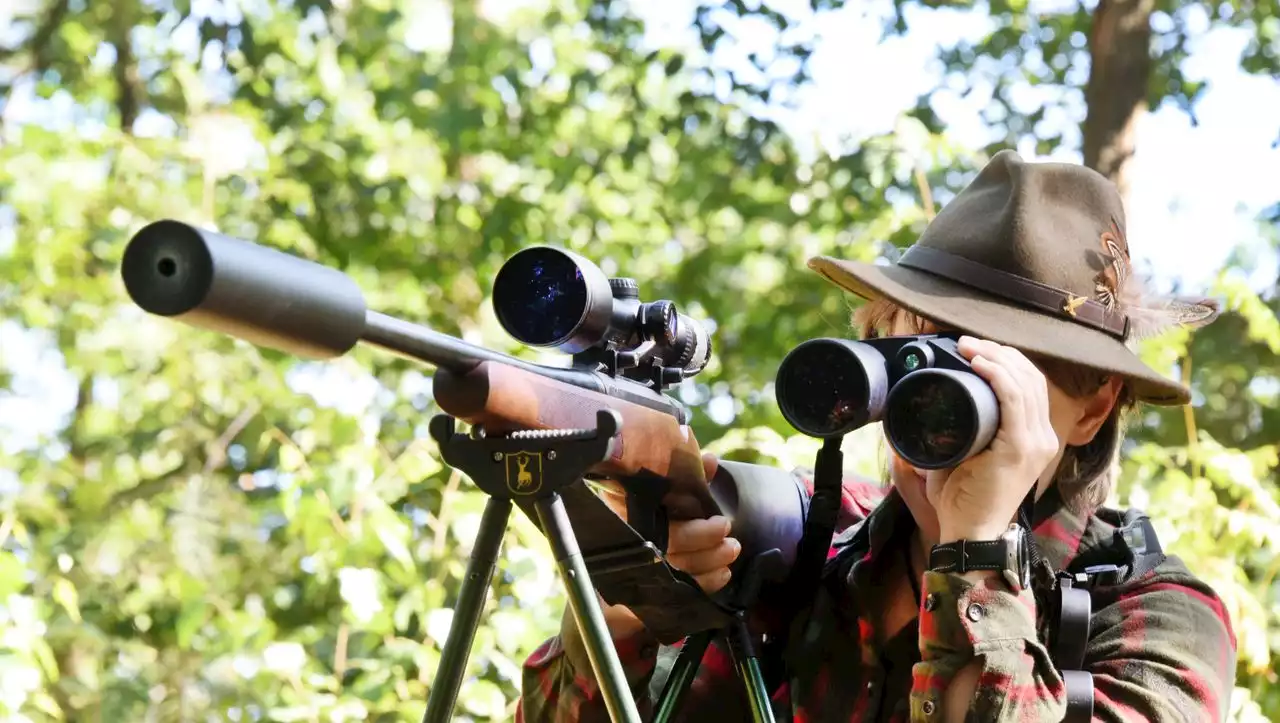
(1161, 646)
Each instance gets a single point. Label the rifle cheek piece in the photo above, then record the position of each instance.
(766, 508)
(251, 292)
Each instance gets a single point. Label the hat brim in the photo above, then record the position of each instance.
(988, 317)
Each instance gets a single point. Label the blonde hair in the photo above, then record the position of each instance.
(1084, 476)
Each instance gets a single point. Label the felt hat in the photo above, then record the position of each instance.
(1034, 256)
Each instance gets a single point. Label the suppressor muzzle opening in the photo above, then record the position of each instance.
(167, 268)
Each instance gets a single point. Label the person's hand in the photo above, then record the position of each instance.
(978, 499)
(701, 548)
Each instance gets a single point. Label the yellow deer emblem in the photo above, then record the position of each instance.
(524, 472)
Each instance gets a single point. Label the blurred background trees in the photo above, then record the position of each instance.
(195, 529)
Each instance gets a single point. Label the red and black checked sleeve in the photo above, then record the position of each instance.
(1161, 649)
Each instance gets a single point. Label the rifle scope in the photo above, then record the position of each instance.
(936, 411)
(549, 297)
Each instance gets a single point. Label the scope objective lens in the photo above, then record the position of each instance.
(540, 296)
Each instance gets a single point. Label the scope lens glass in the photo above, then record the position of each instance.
(823, 389)
(931, 418)
(540, 296)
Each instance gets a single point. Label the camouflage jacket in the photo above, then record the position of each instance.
(1161, 646)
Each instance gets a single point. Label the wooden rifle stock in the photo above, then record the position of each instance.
(650, 445)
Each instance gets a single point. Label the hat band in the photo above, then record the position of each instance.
(1018, 289)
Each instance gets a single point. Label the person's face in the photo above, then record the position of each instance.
(1075, 420)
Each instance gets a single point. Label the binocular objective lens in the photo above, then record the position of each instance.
(540, 296)
(821, 392)
(931, 419)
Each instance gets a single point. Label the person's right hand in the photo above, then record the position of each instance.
(701, 548)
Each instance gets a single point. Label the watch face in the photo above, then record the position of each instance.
(1017, 570)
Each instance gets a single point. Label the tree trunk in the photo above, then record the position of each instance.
(1116, 94)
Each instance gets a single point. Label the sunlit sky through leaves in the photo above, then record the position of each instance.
(1197, 190)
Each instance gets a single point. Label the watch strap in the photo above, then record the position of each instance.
(966, 555)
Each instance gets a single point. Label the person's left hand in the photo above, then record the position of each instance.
(977, 499)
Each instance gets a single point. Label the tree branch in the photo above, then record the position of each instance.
(39, 42)
(340, 654)
(926, 195)
(75, 432)
(145, 490)
(128, 90)
(216, 453)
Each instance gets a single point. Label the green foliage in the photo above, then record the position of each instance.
(1049, 48)
(211, 529)
(208, 530)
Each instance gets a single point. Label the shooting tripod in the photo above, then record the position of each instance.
(542, 472)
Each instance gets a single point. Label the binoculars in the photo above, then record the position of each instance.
(936, 411)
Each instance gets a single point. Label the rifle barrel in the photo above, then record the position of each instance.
(279, 301)
(419, 343)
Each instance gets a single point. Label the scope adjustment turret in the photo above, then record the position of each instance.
(624, 288)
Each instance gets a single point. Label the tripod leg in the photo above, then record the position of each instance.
(682, 675)
(586, 610)
(744, 658)
(466, 615)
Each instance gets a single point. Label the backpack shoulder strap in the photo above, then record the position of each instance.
(1140, 542)
(1133, 550)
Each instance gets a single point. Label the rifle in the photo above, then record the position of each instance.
(537, 432)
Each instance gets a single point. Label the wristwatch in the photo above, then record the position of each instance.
(1008, 555)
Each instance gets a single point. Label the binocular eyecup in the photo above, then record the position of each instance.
(936, 411)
